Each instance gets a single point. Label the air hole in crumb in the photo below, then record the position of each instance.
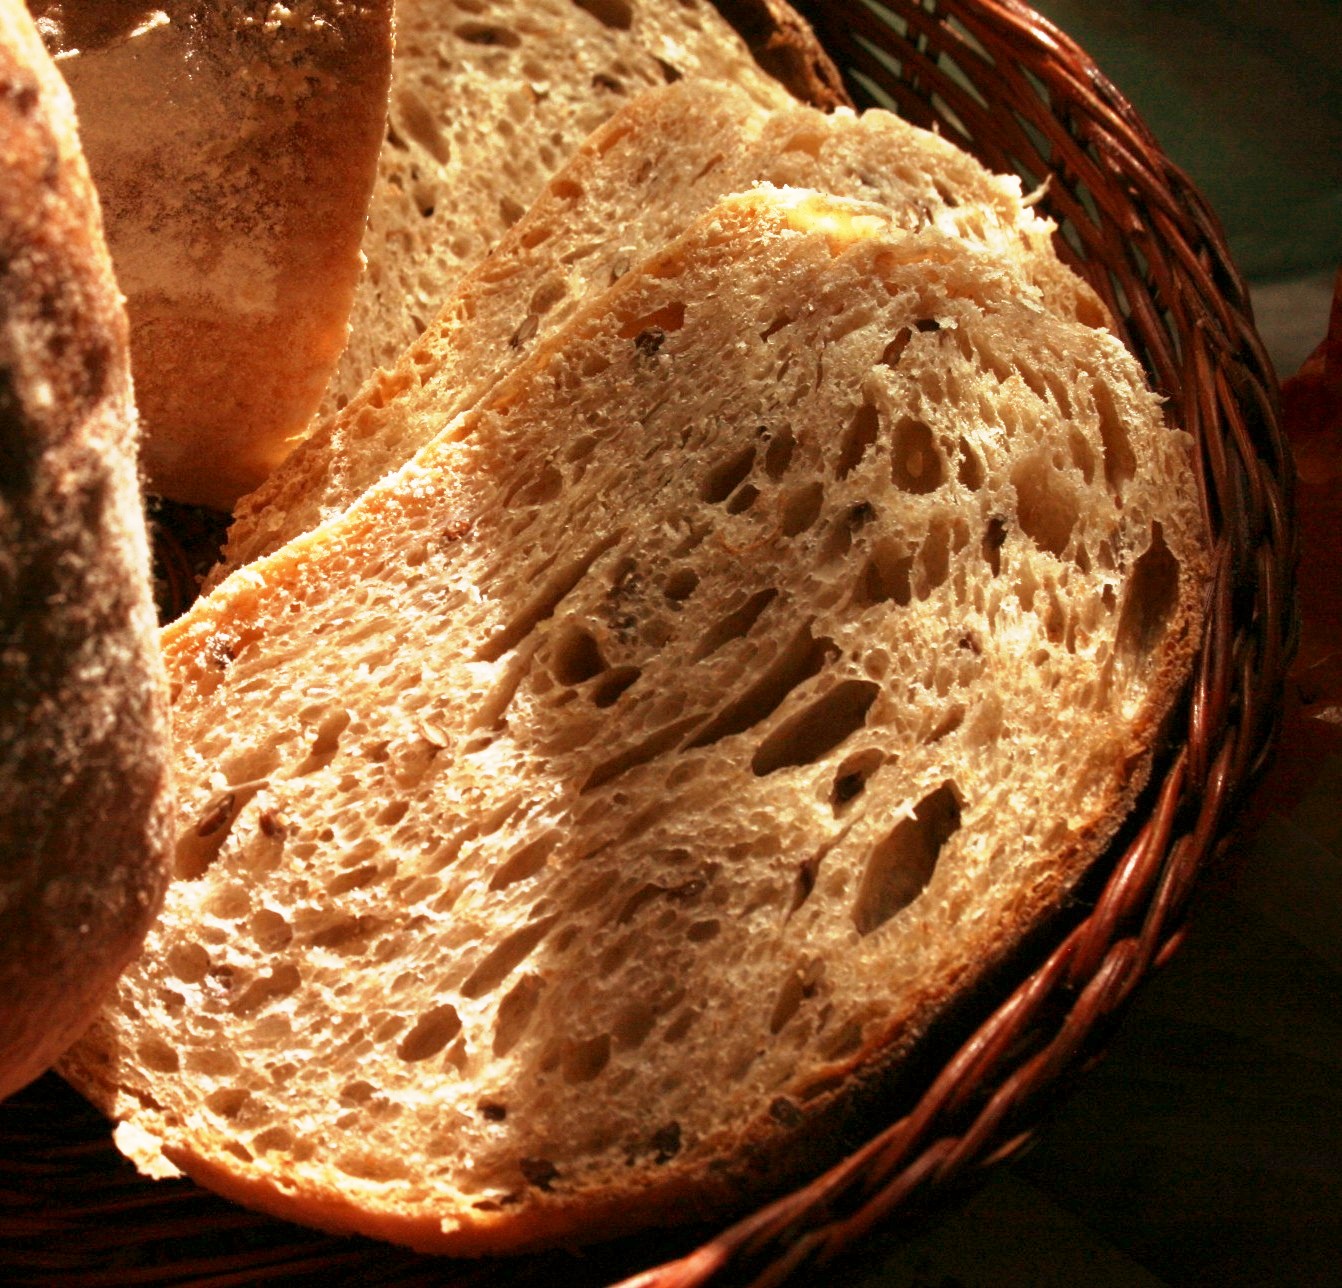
(934, 558)
(655, 744)
(860, 435)
(1047, 505)
(515, 1012)
(887, 576)
(606, 692)
(947, 725)
(895, 349)
(616, 14)
(680, 584)
(899, 867)
(199, 845)
(154, 1053)
(432, 1032)
(526, 862)
(1082, 456)
(576, 655)
(778, 455)
(850, 779)
(680, 1026)
(815, 732)
(558, 584)
(1120, 461)
(776, 326)
(735, 625)
(743, 498)
(393, 812)
(801, 508)
(916, 464)
(227, 1102)
(506, 957)
(281, 982)
(584, 1059)
(415, 121)
(1149, 602)
(787, 1001)
(540, 1172)
(325, 743)
(483, 33)
(633, 1023)
(273, 1140)
(994, 537)
(670, 317)
(723, 479)
(670, 73)
(970, 472)
(188, 962)
(801, 658)
(270, 930)
(809, 142)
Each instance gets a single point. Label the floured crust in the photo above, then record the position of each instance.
(234, 146)
(85, 819)
(655, 166)
(712, 706)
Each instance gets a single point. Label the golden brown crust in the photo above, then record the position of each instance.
(83, 733)
(234, 151)
(785, 46)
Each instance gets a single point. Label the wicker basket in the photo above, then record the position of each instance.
(998, 79)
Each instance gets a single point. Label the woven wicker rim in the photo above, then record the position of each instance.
(1003, 82)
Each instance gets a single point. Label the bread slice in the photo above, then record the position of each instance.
(578, 824)
(487, 102)
(234, 149)
(654, 167)
(85, 810)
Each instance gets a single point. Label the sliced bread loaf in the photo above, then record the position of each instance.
(85, 811)
(635, 183)
(487, 102)
(575, 827)
(234, 145)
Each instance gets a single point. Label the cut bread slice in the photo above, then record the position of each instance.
(707, 709)
(234, 151)
(635, 183)
(487, 102)
(86, 819)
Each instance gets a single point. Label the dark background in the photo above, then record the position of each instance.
(1207, 1148)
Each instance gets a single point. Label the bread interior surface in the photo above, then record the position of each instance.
(638, 181)
(488, 100)
(571, 823)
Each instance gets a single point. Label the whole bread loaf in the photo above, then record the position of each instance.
(85, 815)
(655, 166)
(577, 829)
(234, 145)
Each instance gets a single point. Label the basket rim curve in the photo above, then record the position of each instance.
(1191, 325)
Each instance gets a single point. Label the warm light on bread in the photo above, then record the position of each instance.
(577, 828)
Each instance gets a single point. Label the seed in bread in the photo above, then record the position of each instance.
(707, 708)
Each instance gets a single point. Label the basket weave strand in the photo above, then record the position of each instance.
(1003, 82)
